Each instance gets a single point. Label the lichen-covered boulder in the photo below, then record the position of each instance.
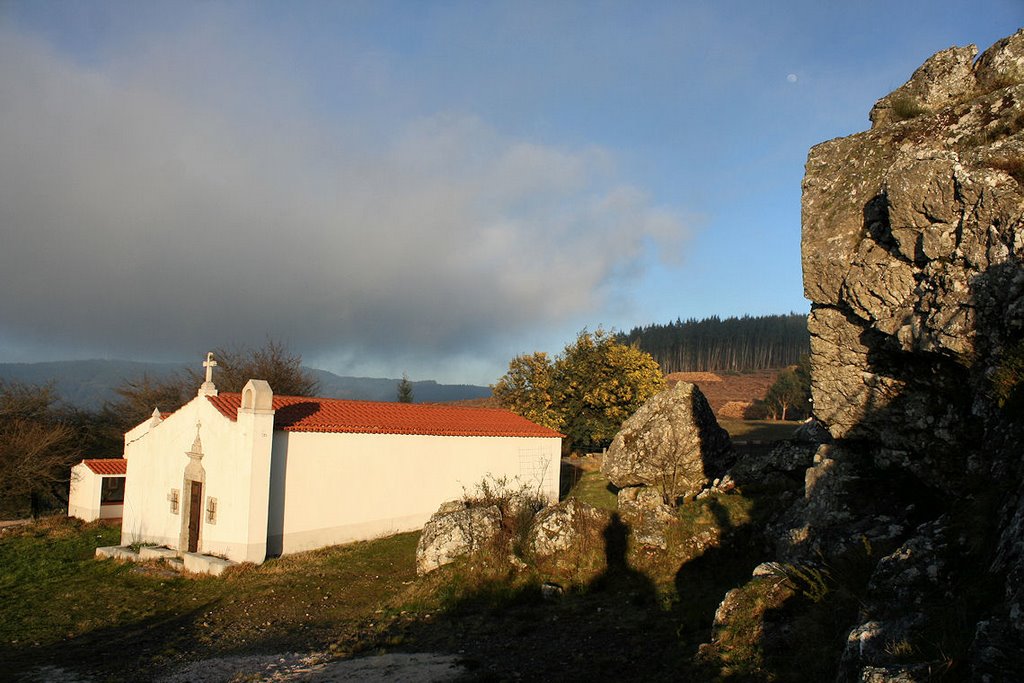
(646, 515)
(672, 444)
(569, 526)
(454, 531)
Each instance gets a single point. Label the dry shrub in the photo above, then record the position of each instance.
(905, 107)
(518, 506)
(1011, 165)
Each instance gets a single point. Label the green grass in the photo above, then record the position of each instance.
(758, 430)
(119, 621)
(112, 621)
(905, 107)
(59, 605)
(593, 488)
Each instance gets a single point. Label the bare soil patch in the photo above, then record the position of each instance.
(724, 390)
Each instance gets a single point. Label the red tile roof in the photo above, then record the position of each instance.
(303, 414)
(111, 466)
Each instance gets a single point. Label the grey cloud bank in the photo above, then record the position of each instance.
(143, 218)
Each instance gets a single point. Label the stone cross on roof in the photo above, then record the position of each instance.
(208, 388)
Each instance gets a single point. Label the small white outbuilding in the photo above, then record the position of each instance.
(251, 475)
(97, 489)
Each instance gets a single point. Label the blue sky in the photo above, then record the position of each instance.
(421, 187)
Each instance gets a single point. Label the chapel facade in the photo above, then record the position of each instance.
(249, 475)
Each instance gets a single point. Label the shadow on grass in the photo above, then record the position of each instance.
(570, 474)
(124, 652)
(617, 626)
(701, 582)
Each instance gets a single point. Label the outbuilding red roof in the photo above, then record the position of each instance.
(110, 466)
(304, 414)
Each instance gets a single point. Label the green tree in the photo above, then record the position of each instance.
(527, 389)
(789, 396)
(600, 382)
(37, 448)
(587, 392)
(405, 390)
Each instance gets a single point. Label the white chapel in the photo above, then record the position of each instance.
(252, 475)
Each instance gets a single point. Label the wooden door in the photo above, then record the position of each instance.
(195, 516)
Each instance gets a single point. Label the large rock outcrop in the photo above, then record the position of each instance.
(913, 259)
(911, 253)
(913, 241)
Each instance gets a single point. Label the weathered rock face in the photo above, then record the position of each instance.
(913, 257)
(454, 531)
(912, 240)
(673, 444)
(557, 529)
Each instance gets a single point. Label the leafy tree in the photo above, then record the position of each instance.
(528, 389)
(37, 447)
(405, 390)
(587, 392)
(791, 392)
(600, 382)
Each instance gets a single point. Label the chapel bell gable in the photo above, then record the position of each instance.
(257, 397)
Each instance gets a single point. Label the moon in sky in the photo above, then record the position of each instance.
(792, 78)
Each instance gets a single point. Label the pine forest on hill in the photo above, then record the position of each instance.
(716, 345)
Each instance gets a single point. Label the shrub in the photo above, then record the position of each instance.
(906, 107)
(517, 505)
(1013, 166)
(1007, 380)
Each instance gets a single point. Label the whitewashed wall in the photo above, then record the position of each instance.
(336, 488)
(284, 492)
(156, 465)
(85, 494)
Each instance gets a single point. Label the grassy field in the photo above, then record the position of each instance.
(594, 488)
(123, 622)
(758, 430)
(60, 606)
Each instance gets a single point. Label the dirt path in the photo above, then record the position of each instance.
(316, 667)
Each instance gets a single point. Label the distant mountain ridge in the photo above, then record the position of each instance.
(89, 383)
